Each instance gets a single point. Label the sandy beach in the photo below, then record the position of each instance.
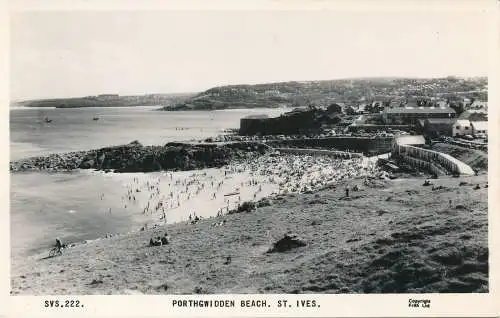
(170, 197)
(389, 236)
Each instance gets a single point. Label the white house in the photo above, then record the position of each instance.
(479, 127)
(462, 127)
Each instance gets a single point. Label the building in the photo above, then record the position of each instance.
(435, 127)
(297, 121)
(410, 140)
(407, 115)
(479, 127)
(361, 109)
(462, 127)
(253, 124)
(336, 107)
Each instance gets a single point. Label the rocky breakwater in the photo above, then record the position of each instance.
(135, 157)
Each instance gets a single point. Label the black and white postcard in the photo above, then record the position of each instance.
(251, 159)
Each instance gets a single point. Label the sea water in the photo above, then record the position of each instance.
(70, 205)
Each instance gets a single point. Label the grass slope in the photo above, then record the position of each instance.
(477, 159)
(389, 237)
(293, 93)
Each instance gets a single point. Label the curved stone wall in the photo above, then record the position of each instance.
(431, 160)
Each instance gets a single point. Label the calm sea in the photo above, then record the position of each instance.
(67, 205)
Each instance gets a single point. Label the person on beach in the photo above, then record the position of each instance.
(58, 246)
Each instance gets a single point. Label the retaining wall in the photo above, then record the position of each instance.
(332, 153)
(365, 145)
(431, 160)
(370, 128)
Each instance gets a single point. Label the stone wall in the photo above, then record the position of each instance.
(431, 160)
(366, 145)
(320, 152)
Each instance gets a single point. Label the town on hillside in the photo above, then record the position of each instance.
(442, 127)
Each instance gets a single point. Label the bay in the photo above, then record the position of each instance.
(44, 206)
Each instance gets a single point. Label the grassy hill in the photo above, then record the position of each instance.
(110, 100)
(293, 94)
(477, 159)
(389, 237)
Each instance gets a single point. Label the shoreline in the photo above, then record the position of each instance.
(253, 180)
(414, 230)
(134, 157)
(416, 223)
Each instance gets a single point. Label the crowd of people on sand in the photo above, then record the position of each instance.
(213, 193)
(326, 134)
(222, 190)
(228, 137)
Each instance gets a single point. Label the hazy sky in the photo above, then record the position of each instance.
(59, 54)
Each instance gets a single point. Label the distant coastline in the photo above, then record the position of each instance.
(294, 94)
(105, 100)
(282, 94)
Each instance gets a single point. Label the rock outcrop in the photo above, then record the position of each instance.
(287, 243)
(135, 157)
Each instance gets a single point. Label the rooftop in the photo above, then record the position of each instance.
(420, 110)
(410, 140)
(256, 117)
(463, 122)
(436, 121)
(480, 125)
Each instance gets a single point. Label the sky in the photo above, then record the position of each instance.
(81, 53)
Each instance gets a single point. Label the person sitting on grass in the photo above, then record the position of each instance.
(164, 239)
(155, 242)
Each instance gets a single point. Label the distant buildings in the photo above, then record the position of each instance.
(464, 127)
(435, 127)
(108, 97)
(407, 115)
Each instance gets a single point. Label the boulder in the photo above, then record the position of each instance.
(87, 164)
(288, 242)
